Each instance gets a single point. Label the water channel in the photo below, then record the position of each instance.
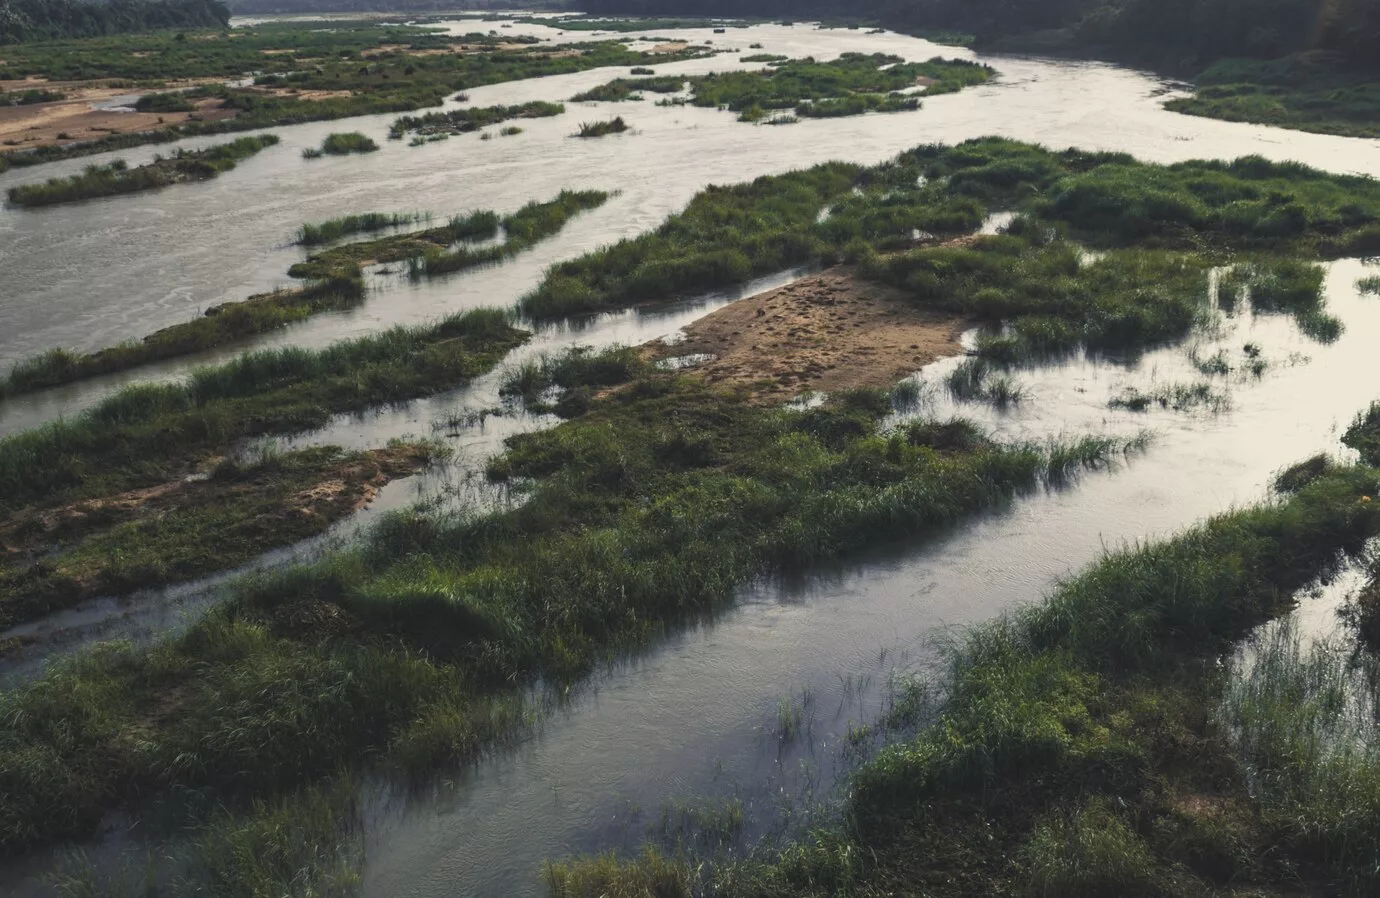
(695, 716)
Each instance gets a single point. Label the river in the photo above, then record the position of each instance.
(696, 715)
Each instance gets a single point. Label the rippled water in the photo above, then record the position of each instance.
(695, 715)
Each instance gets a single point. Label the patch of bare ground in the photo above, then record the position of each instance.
(670, 47)
(828, 331)
(74, 118)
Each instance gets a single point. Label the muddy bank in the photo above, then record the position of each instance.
(829, 331)
(76, 117)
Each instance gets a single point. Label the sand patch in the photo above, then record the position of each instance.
(828, 331)
(73, 119)
(670, 47)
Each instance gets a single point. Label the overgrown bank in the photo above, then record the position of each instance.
(651, 505)
(107, 487)
(1091, 743)
(901, 219)
(117, 178)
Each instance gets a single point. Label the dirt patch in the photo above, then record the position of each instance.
(305, 95)
(828, 331)
(73, 119)
(670, 47)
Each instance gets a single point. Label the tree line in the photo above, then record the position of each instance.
(1179, 34)
(30, 20)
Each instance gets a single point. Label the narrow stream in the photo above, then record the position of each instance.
(695, 716)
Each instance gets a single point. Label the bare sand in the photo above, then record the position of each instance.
(829, 331)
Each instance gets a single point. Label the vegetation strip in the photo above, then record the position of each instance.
(116, 177)
(1090, 745)
(653, 504)
(113, 545)
(1165, 226)
(463, 121)
(850, 85)
(145, 435)
(80, 473)
(337, 283)
(300, 73)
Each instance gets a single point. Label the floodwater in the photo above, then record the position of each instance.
(696, 716)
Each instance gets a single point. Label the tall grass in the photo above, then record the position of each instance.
(522, 229)
(345, 143)
(657, 503)
(118, 178)
(222, 324)
(150, 433)
(600, 129)
(348, 225)
(475, 118)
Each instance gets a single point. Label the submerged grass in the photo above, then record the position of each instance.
(655, 504)
(117, 178)
(349, 225)
(1177, 396)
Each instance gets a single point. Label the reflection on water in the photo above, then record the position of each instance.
(695, 715)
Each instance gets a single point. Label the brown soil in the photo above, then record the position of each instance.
(250, 514)
(828, 331)
(671, 47)
(73, 119)
(307, 95)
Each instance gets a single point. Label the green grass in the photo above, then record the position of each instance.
(1089, 744)
(221, 325)
(318, 59)
(473, 118)
(349, 225)
(1298, 92)
(117, 178)
(850, 85)
(115, 548)
(654, 505)
(602, 128)
(343, 144)
(1201, 211)
(1369, 285)
(150, 434)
